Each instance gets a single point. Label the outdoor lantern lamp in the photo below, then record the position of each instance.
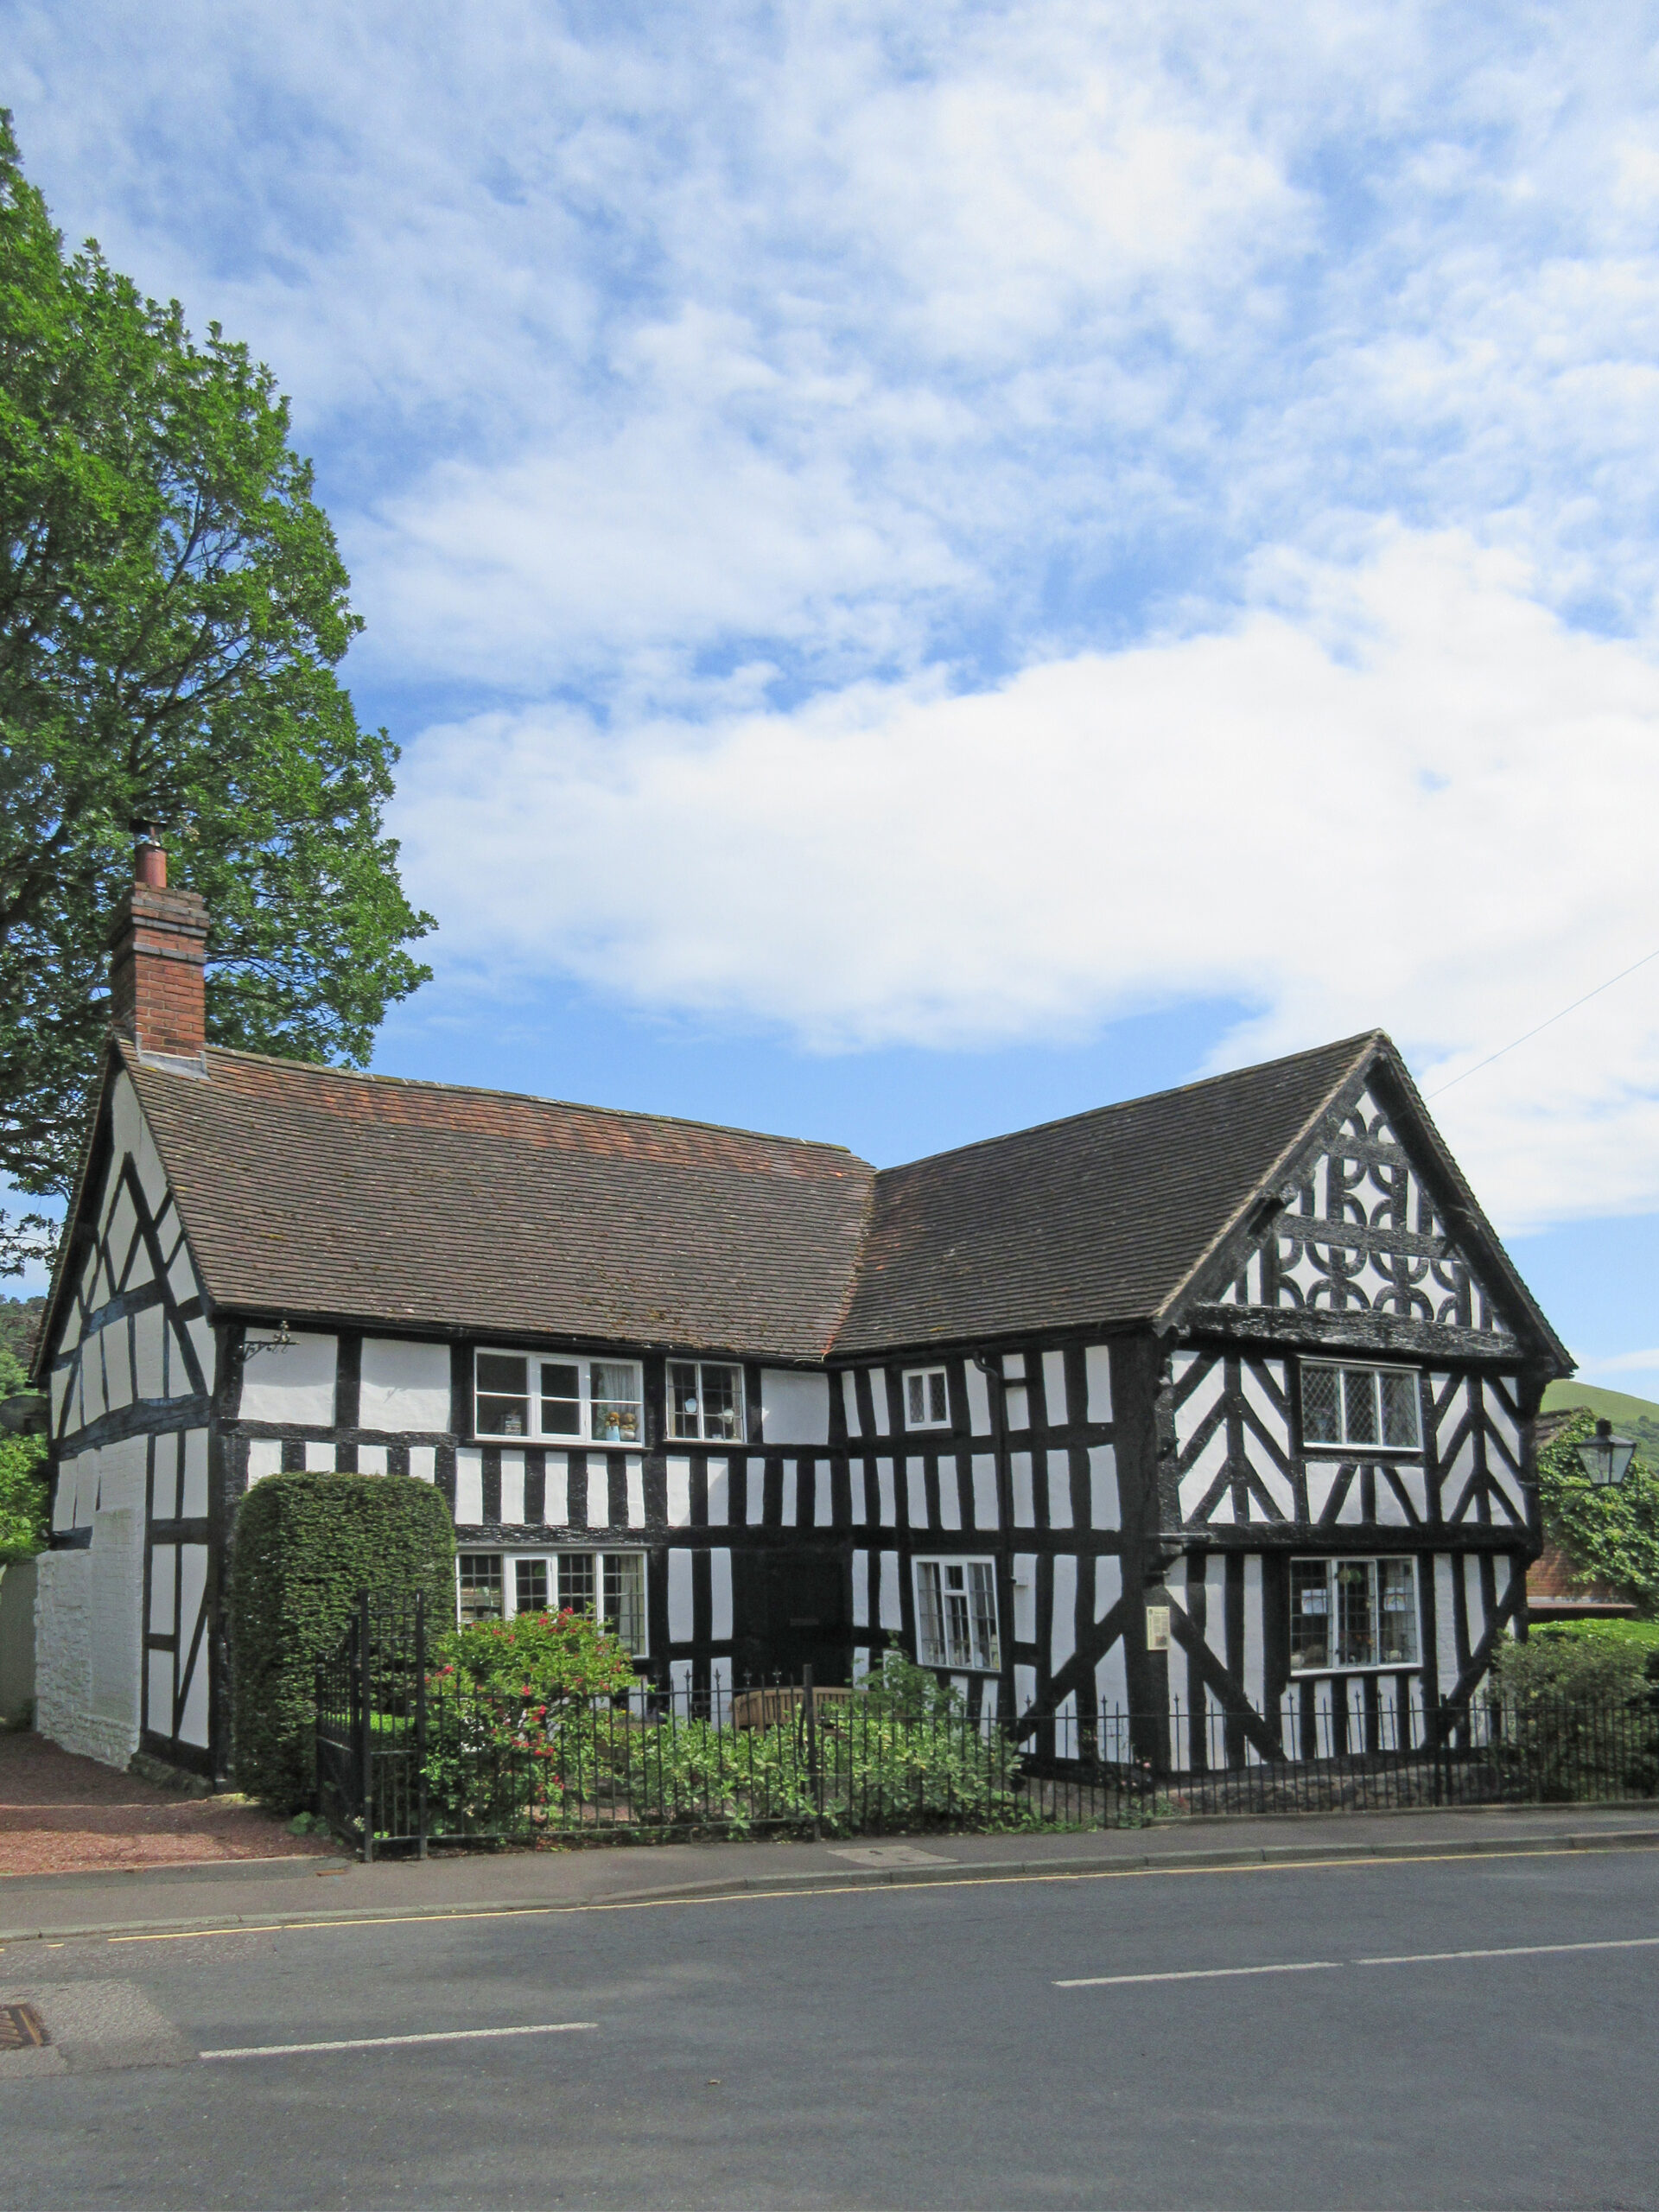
(1605, 1455)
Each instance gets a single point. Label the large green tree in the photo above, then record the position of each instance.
(173, 610)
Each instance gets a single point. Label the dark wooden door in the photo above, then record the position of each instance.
(790, 1612)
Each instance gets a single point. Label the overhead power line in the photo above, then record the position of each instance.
(1542, 1025)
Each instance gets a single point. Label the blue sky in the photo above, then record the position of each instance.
(938, 565)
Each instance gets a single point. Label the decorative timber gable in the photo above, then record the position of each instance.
(1362, 1232)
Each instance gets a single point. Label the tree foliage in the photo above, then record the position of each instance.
(173, 610)
(1610, 1532)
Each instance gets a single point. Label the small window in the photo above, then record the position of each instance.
(478, 1579)
(1352, 1612)
(955, 1614)
(927, 1399)
(705, 1402)
(1373, 1406)
(565, 1400)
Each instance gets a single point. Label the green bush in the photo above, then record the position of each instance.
(305, 1546)
(22, 1496)
(1640, 1637)
(511, 1711)
(1577, 1714)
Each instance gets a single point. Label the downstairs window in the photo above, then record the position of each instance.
(1352, 1612)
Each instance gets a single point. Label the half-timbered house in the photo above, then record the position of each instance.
(1220, 1397)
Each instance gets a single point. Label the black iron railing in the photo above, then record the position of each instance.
(407, 1759)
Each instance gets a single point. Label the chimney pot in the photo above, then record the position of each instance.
(150, 866)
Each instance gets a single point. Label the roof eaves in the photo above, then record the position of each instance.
(1368, 1049)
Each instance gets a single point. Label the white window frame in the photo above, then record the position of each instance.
(935, 1654)
(700, 1368)
(570, 1440)
(1376, 1369)
(1373, 1562)
(925, 1375)
(509, 1562)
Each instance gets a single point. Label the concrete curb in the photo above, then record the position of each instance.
(859, 1877)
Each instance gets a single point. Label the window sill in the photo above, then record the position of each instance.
(1396, 1451)
(1377, 1667)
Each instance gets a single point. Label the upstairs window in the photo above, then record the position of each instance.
(1360, 1405)
(1352, 1612)
(562, 1400)
(927, 1399)
(705, 1402)
(955, 1614)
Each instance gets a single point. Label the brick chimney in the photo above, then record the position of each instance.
(159, 949)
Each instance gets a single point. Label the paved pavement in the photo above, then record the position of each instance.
(264, 1892)
(1452, 2028)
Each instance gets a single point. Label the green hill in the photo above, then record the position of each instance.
(1633, 1417)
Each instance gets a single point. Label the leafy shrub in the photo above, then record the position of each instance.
(1640, 1637)
(511, 1715)
(305, 1546)
(515, 1750)
(22, 1496)
(1575, 1712)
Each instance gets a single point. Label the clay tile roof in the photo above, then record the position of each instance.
(1099, 1219)
(318, 1191)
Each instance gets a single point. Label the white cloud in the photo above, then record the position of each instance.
(1394, 798)
(885, 333)
(901, 495)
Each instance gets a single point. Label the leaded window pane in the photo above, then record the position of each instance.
(1355, 1613)
(1310, 1614)
(1358, 1405)
(1397, 1608)
(530, 1578)
(1321, 1417)
(937, 1404)
(1399, 1409)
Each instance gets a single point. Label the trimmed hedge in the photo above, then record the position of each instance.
(305, 1546)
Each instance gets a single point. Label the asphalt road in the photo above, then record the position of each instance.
(1268, 2036)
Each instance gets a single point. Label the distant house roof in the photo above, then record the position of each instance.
(1100, 1218)
(319, 1190)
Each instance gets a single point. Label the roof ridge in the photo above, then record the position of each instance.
(1145, 1098)
(527, 1099)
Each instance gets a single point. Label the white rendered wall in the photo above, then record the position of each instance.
(296, 1385)
(794, 1409)
(405, 1386)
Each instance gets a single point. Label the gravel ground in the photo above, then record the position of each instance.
(62, 1815)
